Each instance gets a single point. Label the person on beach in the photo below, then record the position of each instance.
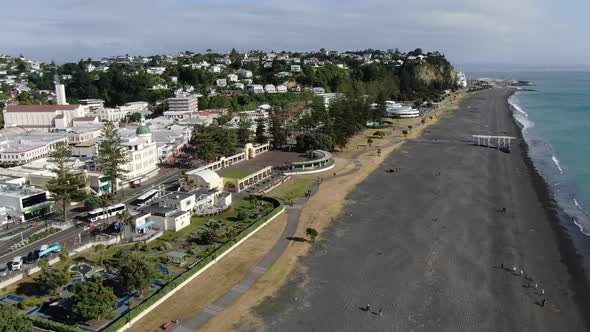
(368, 307)
(380, 312)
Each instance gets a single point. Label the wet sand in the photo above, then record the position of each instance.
(427, 248)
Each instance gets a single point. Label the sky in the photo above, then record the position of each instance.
(539, 32)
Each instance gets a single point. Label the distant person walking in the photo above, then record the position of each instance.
(380, 312)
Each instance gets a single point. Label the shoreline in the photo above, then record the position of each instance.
(561, 223)
(529, 236)
(320, 213)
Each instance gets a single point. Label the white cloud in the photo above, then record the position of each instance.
(466, 30)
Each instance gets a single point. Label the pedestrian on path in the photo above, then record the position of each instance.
(380, 312)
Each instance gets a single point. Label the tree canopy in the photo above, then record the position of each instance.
(92, 300)
(11, 320)
(111, 155)
(66, 186)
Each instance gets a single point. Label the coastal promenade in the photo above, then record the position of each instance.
(426, 243)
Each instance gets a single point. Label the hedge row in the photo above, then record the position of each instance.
(116, 325)
(47, 324)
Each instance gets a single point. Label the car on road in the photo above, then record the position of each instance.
(16, 263)
(3, 271)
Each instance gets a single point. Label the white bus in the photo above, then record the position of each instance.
(148, 197)
(105, 212)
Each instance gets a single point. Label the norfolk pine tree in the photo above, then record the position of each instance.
(65, 186)
(111, 155)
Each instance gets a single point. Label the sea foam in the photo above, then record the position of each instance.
(556, 162)
(519, 114)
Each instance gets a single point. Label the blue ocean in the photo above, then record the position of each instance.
(555, 121)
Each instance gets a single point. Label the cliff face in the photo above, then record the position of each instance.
(429, 73)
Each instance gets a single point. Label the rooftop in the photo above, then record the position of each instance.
(40, 108)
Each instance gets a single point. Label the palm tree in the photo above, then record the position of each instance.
(64, 256)
(99, 249)
(212, 224)
(229, 234)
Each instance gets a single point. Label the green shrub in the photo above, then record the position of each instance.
(50, 325)
(116, 325)
(29, 303)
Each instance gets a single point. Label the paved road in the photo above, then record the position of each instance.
(68, 237)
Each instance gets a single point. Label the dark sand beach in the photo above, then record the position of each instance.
(425, 243)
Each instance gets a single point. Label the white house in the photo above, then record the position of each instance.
(281, 88)
(156, 70)
(222, 82)
(270, 88)
(245, 73)
(255, 88)
(232, 78)
(215, 69)
(296, 68)
(282, 74)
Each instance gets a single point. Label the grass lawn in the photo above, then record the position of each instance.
(293, 189)
(235, 174)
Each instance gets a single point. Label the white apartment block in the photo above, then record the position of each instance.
(186, 103)
(296, 68)
(232, 78)
(111, 114)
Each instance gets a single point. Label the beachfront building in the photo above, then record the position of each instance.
(180, 200)
(209, 202)
(396, 110)
(24, 203)
(206, 178)
(142, 155)
(167, 218)
(320, 161)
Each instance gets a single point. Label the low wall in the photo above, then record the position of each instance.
(170, 289)
(311, 171)
(12, 280)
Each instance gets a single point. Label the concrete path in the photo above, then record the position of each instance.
(293, 213)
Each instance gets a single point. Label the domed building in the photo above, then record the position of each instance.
(144, 131)
(142, 162)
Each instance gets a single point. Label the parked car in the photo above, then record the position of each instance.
(3, 271)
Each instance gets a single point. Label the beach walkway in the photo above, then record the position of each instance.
(427, 241)
(294, 214)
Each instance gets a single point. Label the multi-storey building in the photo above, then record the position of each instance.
(183, 103)
(24, 203)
